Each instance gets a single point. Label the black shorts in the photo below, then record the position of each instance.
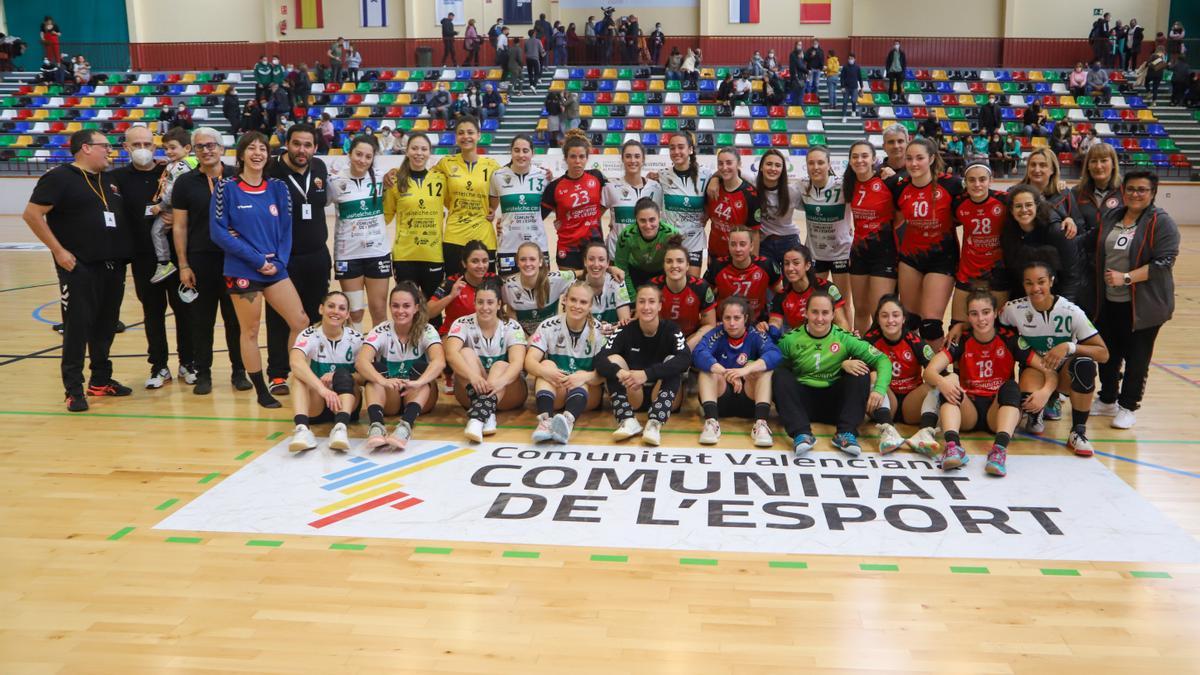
(371, 268)
(874, 257)
(506, 263)
(835, 266)
(572, 258)
(427, 275)
(934, 261)
(995, 280)
(733, 404)
(982, 405)
(240, 285)
(695, 258)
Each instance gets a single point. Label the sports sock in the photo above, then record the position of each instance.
(762, 411)
(1079, 418)
(710, 409)
(661, 410)
(928, 420)
(1003, 439)
(260, 389)
(576, 401)
(545, 403)
(951, 436)
(341, 418)
(300, 420)
(375, 413)
(882, 415)
(411, 411)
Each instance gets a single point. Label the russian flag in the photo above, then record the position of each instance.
(743, 11)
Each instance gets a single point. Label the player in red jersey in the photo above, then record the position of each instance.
(574, 199)
(686, 300)
(736, 204)
(744, 274)
(789, 306)
(456, 296)
(981, 213)
(911, 400)
(925, 236)
(984, 393)
(873, 257)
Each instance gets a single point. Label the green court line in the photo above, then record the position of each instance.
(166, 505)
(870, 567)
(210, 477)
(275, 435)
(183, 540)
(969, 570)
(532, 555)
(788, 565)
(244, 455)
(1053, 572)
(270, 543)
(609, 558)
(1139, 574)
(709, 562)
(347, 547)
(120, 533)
(432, 550)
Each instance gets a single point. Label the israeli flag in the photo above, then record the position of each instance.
(374, 13)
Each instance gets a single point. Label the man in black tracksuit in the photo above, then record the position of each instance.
(307, 179)
(77, 212)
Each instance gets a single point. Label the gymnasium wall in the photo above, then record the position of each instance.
(1039, 19)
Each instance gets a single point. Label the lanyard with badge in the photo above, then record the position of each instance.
(305, 208)
(110, 218)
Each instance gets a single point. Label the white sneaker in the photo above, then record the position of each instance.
(400, 435)
(890, 440)
(162, 271)
(711, 433)
(561, 426)
(925, 442)
(542, 432)
(761, 433)
(844, 120)
(651, 435)
(376, 436)
(1102, 409)
(1080, 445)
(159, 378)
(448, 384)
(187, 375)
(489, 427)
(1124, 419)
(473, 432)
(338, 438)
(627, 429)
(1034, 424)
(302, 439)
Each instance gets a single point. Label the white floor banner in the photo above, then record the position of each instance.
(1048, 508)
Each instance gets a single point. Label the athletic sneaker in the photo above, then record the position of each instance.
(110, 388)
(58, 328)
(1078, 443)
(278, 386)
(401, 435)
(240, 381)
(120, 327)
(489, 426)
(1034, 424)
(158, 377)
(890, 440)
(1124, 419)
(847, 443)
(628, 428)
(302, 439)
(996, 461)
(76, 402)
(652, 435)
(1053, 409)
(925, 442)
(448, 383)
(803, 443)
(187, 373)
(162, 271)
(761, 433)
(542, 433)
(711, 433)
(561, 426)
(1102, 409)
(954, 456)
(203, 385)
(338, 438)
(474, 430)
(376, 436)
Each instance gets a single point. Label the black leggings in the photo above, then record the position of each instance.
(842, 403)
(1132, 347)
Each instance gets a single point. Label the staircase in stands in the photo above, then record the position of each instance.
(1183, 125)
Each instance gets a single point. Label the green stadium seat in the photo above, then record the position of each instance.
(778, 126)
(812, 112)
(637, 98)
(724, 139)
(670, 124)
(708, 111)
(613, 138)
(1085, 101)
(674, 85)
(575, 85)
(625, 73)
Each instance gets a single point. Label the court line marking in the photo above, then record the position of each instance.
(1176, 375)
(1142, 462)
(21, 288)
(57, 346)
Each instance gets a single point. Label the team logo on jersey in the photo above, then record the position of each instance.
(318, 183)
(302, 343)
(625, 193)
(928, 352)
(742, 359)
(507, 181)
(996, 210)
(835, 347)
(907, 355)
(1000, 351)
(1022, 343)
(243, 283)
(1028, 316)
(1112, 203)
(274, 211)
(690, 300)
(756, 276)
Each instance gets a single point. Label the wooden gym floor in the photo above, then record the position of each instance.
(89, 586)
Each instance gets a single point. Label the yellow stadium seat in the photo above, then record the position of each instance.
(558, 85)
(612, 151)
(400, 76)
(939, 75)
(966, 99)
(1067, 102)
(994, 88)
(362, 112)
(495, 74)
(187, 78)
(939, 113)
(657, 85)
(756, 85)
(707, 73)
(688, 111)
(1036, 76)
(798, 141)
(23, 141)
(1146, 115)
(39, 90)
(40, 114)
(865, 98)
(795, 112)
(585, 111)
(962, 127)
(608, 74)
(87, 102)
(72, 127)
(1040, 142)
(403, 99)
(421, 125)
(621, 98)
(652, 124)
(760, 126)
(348, 88)
(136, 114)
(542, 125)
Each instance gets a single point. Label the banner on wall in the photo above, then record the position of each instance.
(618, 4)
(310, 14)
(374, 13)
(743, 11)
(816, 11)
(444, 7)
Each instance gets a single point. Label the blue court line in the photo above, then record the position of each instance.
(358, 466)
(1185, 366)
(378, 471)
(1152, 465)
(37, 313)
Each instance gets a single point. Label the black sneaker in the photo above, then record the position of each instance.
(76, 403)
(58, 328)
(203, 385)
(120, 327)
(240, 381)
(110, 388)
(279, 386)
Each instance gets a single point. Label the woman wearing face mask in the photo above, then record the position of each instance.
(789, 307)
(534, 291)
(735, 363)
(873, 257)
(416, 202)
(830, 221)
(910, 400)
(574, 199)
(621, 196)
(361, 252)
(324, 384)
(779, 198)
(1098, 193)
(610, 302)
(516, 195)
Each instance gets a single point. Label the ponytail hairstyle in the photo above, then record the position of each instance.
(592, 324)
(325, 299)
(675, 243)
(519, 137)
(735, 301)
(693, 170)
(889, 299)
(782, 195)
(937, 166)
(493, 287)
(420, 318)
(541, 286)
(850, 179)
(405, 171)
(373, 143)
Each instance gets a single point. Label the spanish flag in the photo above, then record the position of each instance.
(309, 14)
(815, 11)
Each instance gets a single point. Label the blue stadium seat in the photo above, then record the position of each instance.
(1043, 88)
(395, 87)
(1111, 115)
(1135, 101)
(607, 85)
(653, 111)
(587, 98)
(761, 140)
(1156, 130)
(904, 113)
(708, 85)
(1003, 76)
(446, 138)
(337, 99)
(616, 124)
(945, 87)
(758, 111)
(690, 98)
(650, 139)
(412, 111)
(1009, 114)
(490, 124)
(578, 73)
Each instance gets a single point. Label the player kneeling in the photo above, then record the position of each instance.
(486, 351)
(401, 360)
(735, 365)
(913, 401)
(561, 357)
(325, 386)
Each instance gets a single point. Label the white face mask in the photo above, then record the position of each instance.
(142, 156)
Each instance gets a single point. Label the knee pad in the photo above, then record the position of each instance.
(1009, 394)
(931, 329)
(356, 300)
(1083, 374)
(343, 382)
(912, 321)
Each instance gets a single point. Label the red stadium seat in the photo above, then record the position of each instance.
(811, 99)
(437, 125)
(920, 112)
(873, 126)
(633, 124)
(670, 111)
(640, 85)
(604, 97)
(977, 87)
(779, 140)
(593, 74)
(741, 125)
(777, 111)
(1065, 158)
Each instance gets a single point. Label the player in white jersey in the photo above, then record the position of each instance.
(560, 357)
(683, 188)
(610, 305)
(516, 195)
(1067, 341)
(620, 196)
(324, 384)
(829, 221)
(401, 360)
(362, 250)
(533, 292)
(487, 352)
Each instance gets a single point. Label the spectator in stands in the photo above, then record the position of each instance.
(493, 103)
(472, 41)
(833, 77)
(1062, 140)
(320, 72)
(448, 34)
(543, 30)
(894, 67)
(516, 63)
(1077, 80)
(50, 39)
(353, 61)
(334, 53)
(1032, 119)
(281, 127)
(633, 32)
(183, 117)
(674, 69)
(559, 40)
(774, 90)
(535, 54)
(495, 31)
(82, 71)
(852, 82)
(574, 44)
(814, 61)
(1135, 35)
(1097, 83)
(1012, 154)
(756, 64)
(66, 69)
(1160, 41)
(387, 142)
(262, 76)
(1152, 73)
(995, 152)
(1099, 36)
(502, 47)
(770, 62)
(166, 115)
(955, 154)
(554, 131)
(438, 104)
(252, 116)
(975, 148)
(725, 89)
(930, 127)
(1175, 37)
(656, 42)
(49, 72)
(278, 74)
(589, 38)
(1181, 78)
(570, 115)
(797, 71)
(327, 136)
(691, 65)
(1117, 39)
(279, 104)
(989, 116)
(741, 90)
(1089, 139)
(461, 107)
